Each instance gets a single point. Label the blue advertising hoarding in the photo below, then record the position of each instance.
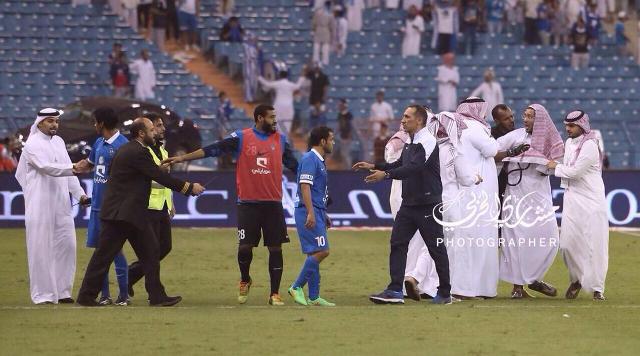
(354, 202)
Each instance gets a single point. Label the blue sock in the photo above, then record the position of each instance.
(122, 274)
(305, 272)
(314, 282)
(105, 286)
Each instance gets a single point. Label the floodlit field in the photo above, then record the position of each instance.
(202, 268)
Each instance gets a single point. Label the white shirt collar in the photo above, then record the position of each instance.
(113, 138)
(317, 154)
(423, 131)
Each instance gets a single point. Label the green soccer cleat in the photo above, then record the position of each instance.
(243, 293)
(298, 295)
(321, 303)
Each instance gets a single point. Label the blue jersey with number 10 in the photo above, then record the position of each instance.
(313, 171)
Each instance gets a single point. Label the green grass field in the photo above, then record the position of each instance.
(202, 268)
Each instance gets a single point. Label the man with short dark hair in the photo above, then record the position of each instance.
(124, 215)
(419, 170)
(261, 152)
(311, 216)
(102, 152)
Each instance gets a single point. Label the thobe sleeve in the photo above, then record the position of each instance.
(455, 75)
(75, 188)
(587, 157)
(420, 23)
(478, 91)
(48, 168)
(499, 95)
(464, 176)
(507, 141)
(152, 77)
(487, 145)
(265, 83)
(389, 111)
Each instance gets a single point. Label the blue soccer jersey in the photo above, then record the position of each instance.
(313, 171)
(101, 155)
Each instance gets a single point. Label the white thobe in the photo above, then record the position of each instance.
(146, 78)
(491, 92)
(354, 14)
(474, 271)
(392, 4)
(406, 4)
(584, 237)
(412, 35)
(380, 112)
(447, 94)
(420, 265)
(283, 102)
(342, 31)
(529, 246)
(46, 177)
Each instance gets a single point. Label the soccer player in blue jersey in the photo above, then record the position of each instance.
(105, 147)
(311, 216)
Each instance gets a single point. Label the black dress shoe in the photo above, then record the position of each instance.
(130, 290)
(66, 301)
(167, 302)
(44, 303)
(544, 288)
(88, 302)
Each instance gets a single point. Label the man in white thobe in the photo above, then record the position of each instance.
(354, 14)
(530, 232)
(584, 239)
(413, 29)
(381, 112)
(448, 79)
(489, 90)
(283, 102)
(323, 27)
(474, 269)
(45, 173)
(146, 76)
(341, 33)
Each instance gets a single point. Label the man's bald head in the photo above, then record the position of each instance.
(142, 129)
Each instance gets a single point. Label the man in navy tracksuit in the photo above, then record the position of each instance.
(419, 170)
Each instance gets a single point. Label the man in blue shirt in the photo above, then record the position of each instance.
(311, 216)
(105, 147)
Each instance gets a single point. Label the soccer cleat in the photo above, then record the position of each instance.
(321, 302)
(441, 300)
(243, 293)
(105, 301)
(387, 297)
(298, 295)
(122, 301)
(275, 300)
(544, 288)
(598, 296)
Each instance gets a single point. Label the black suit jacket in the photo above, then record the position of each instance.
(129, 186)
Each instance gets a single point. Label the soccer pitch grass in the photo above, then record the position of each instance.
(202, 268)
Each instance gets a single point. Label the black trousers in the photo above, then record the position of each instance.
(444, 43)
(409, 220)
(531, 36)
(113, 235)
(160, 225)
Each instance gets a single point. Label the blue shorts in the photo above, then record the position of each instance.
(93, 229)
(312, 240)
(187, 21)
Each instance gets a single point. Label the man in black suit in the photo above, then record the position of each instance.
(123, 215)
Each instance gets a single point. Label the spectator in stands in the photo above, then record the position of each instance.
(445, 27)
(251, 67)
(173, 28)
(495, 15)
(130, 13)
(406, 4)
(373, 3)
(544, 23)
(146, 81)
(381, 113)
(75, 3)
(592, 22)
(580, 43)
(319, 85)
(515, 16)
(470, 19)
(489, 90)
(225, 109)
(120, 76)
(573, 10)
(144, 13)
(226, 7)
(531, 35)
(300, 112)
(379, 143)
(559, 24)
(345, 131)
(323, 29)
(232, 31)
(115, 52)
(354, 14)
(188, 20)
(159, 19)
(8, 162)
(448, 79)
(283, 102)
(341, 33)
(413, 29)
(318, 116)
(621, 39)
